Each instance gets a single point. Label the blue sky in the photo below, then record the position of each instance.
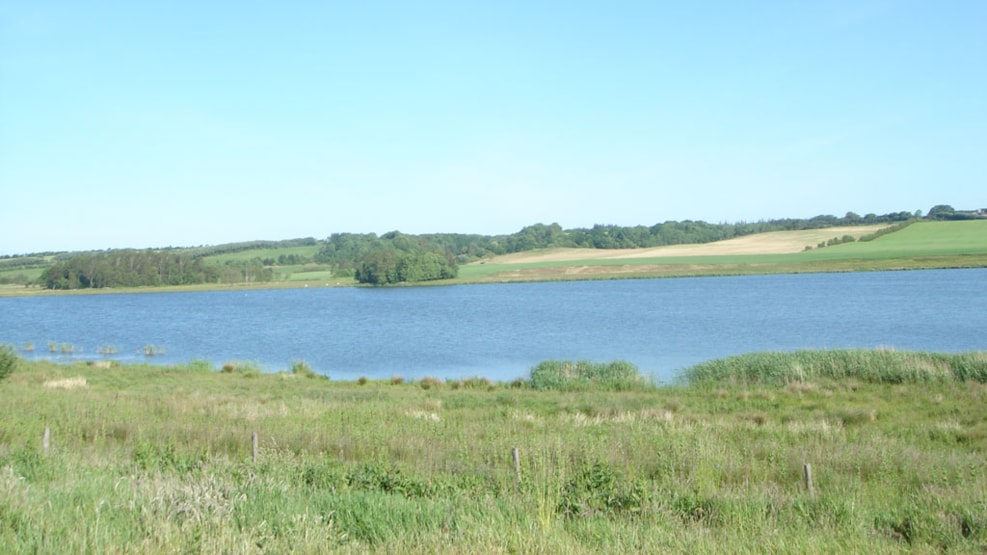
(152, 124)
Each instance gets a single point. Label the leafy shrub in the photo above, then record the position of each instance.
(596, 489)
(564, 375)
(8, 360)
(323, 475)
(377, 476)
(153, 457)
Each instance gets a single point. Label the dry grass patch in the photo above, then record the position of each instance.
(67, 383)
(801, 387)
(621, 417)
(424, 415)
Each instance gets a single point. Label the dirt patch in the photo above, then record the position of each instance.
(565, 273)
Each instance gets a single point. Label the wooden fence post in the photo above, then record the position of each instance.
(808, 479)
(46, 440)
(253, 440)
(517, 466)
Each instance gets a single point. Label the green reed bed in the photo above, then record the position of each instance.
(144, 459)
(873, 366)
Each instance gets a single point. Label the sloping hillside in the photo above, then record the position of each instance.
(775, 242)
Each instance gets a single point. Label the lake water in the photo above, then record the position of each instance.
(500, 331)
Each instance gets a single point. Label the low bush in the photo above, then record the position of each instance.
(244, 368)
(428, 382)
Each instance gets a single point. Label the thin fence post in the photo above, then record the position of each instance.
(808, 479)
(253, 441)
(517, 466)
(46, 440)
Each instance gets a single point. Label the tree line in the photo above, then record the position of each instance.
(396, 257)
(146, 268)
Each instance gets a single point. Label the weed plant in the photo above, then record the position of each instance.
(8, 360)
(302, 368)
(151, 459)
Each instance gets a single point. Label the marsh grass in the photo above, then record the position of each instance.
(158, 459)
(302, 369)
(870, 366)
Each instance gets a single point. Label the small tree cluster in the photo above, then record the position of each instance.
(399, 258)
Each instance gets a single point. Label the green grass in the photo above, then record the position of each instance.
(147, 459)
(309, 274)
(919, 239)
(307, 251)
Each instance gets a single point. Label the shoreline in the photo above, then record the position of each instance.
(538, 272)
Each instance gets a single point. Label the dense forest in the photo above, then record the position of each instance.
(395, 257)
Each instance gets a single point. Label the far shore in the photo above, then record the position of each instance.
(925, 246)
(575, 272)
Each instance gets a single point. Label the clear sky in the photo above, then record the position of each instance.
(182, 123)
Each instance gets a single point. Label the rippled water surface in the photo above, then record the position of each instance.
(501, 331)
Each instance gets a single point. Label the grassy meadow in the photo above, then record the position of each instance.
(148, 459)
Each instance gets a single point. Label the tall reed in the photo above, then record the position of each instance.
(872, 366)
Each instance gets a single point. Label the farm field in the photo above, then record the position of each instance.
(960, 244)
(146, 459)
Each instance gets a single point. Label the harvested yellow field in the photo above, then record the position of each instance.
(775, 242)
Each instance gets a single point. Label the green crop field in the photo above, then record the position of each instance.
(102, 458)
(921, 239)
(305, 251)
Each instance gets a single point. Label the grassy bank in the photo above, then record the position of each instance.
(149, 459)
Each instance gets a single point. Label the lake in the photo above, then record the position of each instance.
(500, 331)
